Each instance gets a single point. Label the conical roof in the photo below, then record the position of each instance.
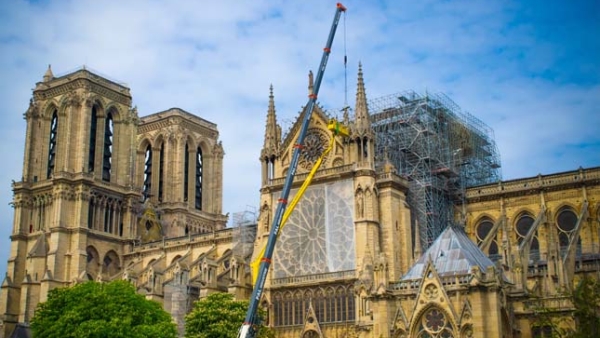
(452, 253)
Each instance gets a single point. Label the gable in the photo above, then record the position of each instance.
(316, 140)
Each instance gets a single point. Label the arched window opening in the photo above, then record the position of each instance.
(106, 218)
(52, 145)
(270, 168)
(310, 334)
(108, 147)
(147, 173)
(93, 262)
(524, 223)
(92, 148)
(482, 230)
(198, 180)
(91, 215)
(111, 264)
(566, 223)
(186, 178)
(161, 172)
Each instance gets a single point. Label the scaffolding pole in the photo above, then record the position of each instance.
(439, 148)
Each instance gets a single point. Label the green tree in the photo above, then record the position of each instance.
(92, 309)
(586, 300)
(584, 321)
(219, 316)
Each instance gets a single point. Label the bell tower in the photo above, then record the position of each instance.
(73, 207)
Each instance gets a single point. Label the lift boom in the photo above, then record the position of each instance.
(248, 329)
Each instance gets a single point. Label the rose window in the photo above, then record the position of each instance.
(434, 324)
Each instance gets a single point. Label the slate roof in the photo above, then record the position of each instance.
(452, 253)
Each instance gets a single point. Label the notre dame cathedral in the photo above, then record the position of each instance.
(106, 194)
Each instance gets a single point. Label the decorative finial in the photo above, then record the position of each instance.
(48, 75)
(311, 82)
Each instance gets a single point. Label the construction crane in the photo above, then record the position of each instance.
(248, 329)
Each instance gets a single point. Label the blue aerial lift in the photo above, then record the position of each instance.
(249, 329)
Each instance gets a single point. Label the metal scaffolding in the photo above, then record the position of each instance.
(244, 233)
(439, 148)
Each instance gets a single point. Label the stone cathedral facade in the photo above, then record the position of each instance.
(108, 195)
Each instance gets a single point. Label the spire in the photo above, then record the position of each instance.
(48, 75)
(272, 130)
(311, 83)
(362, 121)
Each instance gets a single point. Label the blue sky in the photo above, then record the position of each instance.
(528, 69)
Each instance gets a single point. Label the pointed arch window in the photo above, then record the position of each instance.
(108, 147)
(270, 168)
(161, 171)
(198, 179)
(566, 222)
(524, 223)
(147, 188)
(92, 148)
(52, 144)
(186, 177)
(91, 215)
(483, 229)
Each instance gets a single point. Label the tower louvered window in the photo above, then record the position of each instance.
(52, 145)
(147, 173)
(108, 148)
(91, 215)
(198, 178)
(92, 149)
(161, 171)
(186, 178)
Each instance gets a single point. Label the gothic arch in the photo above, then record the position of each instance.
(520, 212)
(111, 264)
(143, 144)
(483, 216)
(433, 321)
(175, 259)
(565, 219)
(481, 229)
(563, 205)
(521, 227)
(93, 261)
(63, 104)
(204, 146)
(100, 105)
(159, 139)
(49, 109)
(113, 108)
(337, 162)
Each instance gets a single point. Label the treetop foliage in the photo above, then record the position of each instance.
(93, 309)
(219, 316)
